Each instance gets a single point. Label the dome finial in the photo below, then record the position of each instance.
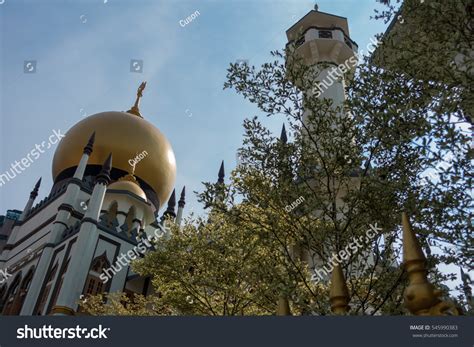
(104, 175)
(221, 174)
(130, 178)
(283, 136)
(171, 207)
(34, 192)
(182, 198)
(90, 144)
(134, 110)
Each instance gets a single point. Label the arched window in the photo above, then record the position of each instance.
(12, 296)
(128, 224)
(3, 290)
(46, 290)
(60, 283)
(25, 285)
(94, 285)
(109, 218)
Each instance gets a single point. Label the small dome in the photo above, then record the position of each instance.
(129, 184)
(129, 187)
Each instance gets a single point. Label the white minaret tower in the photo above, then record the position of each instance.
(31, 200)
(323, 41)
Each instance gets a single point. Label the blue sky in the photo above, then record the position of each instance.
(83, 50)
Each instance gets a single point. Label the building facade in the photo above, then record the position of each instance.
(112, 173)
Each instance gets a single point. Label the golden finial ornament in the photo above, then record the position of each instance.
(134, 110)
(130, 178)
(338, 292)
(420, 297)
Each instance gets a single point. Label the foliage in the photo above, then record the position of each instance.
(352, 165)
(120, 304)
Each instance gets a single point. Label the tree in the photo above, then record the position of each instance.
(292, 207)
(431, 44)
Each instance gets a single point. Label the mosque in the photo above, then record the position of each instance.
(113, 173)
(109, 185)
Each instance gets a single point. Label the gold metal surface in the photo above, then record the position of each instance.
(63, 310)
(130, 184)
(338, 292)
(283, 307)
(134, 110)
(420, 297)
(126, 136)
(411, 248)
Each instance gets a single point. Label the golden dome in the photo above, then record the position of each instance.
(130, 184)
(126, 136)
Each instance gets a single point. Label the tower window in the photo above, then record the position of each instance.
(99, 286)
(44, 297)
(60, 283)
(11, 298)
(348, 42)
(91, 286)
(300, 41)
(3, 290)
(94, 284)
(325, 34)
(47, 289)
